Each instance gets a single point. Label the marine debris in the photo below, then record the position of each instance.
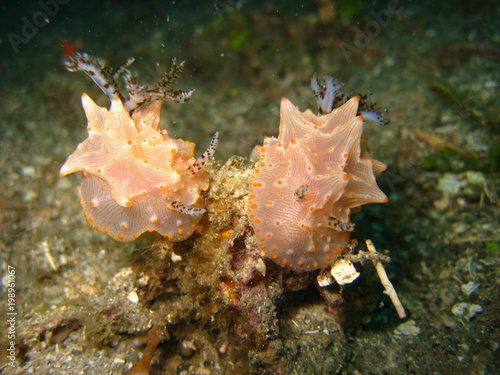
(389, 289)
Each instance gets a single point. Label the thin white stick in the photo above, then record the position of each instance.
(389, 289)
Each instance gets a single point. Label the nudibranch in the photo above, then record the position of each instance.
(135, 177)
(309, 180)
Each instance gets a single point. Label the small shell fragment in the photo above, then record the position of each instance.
(187, 348)
(344, 272)
(260, 266)
(133, 297)
(466, 310)
(324, 280)
(469, 288)
(408, 328)
(175, 258)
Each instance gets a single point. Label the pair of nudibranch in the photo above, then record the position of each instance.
(305, 185)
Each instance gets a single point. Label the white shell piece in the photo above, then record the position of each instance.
(466, 310)
(260, 266)
(344, 272)
(324, 280)
(469, 288)
(408, 328)
(133, 297)
(175, 258)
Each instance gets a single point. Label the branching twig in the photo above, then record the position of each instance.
(389, 289)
